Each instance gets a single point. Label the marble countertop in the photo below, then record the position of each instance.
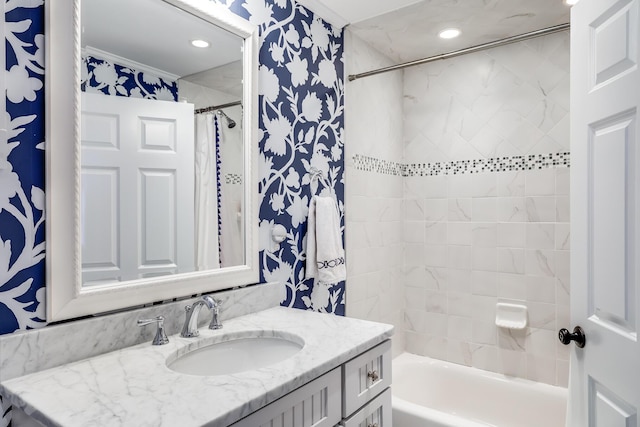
(134, 386)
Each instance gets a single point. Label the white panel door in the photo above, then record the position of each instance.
(605, 183)
(137, 188)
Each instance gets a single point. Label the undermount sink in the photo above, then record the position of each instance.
(237, 353)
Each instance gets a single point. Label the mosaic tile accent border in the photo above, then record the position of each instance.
(461, 167)
(371, 164)
(233, 178)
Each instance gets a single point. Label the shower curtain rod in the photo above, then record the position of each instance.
(477, 48)
(217, 107)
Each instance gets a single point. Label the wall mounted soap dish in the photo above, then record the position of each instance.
(511, 316)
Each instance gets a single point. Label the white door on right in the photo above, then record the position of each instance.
(605, 213)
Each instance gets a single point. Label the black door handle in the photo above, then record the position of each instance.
(566, 337)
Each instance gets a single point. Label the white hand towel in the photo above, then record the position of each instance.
(325, 253)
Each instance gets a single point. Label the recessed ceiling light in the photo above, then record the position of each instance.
(449, 33)
(571, 2)
(200, 43)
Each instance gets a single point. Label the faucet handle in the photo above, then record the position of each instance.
(215, 322)
(161, 336)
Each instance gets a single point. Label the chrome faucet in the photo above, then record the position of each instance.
(190, 327)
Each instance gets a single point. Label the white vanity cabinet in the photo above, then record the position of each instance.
(315, 404)
(376, 413)
(366, 396)
(356, 394)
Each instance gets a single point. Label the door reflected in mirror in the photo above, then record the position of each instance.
(162, 158)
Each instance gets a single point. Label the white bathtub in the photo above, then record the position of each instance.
(433, 393)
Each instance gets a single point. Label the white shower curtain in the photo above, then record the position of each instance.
(206, 194)
(231, 184)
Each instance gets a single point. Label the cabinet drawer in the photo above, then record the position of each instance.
(375, 413)
(315, 404)
(365, 377)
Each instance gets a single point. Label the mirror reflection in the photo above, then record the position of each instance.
(162, 153)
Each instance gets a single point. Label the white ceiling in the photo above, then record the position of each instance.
(343, 12)
(405, 30)
(156, 34)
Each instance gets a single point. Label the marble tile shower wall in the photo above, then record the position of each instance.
(473, 238)
(373, 216)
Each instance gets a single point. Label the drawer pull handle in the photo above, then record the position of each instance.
(372, 425)
(374, 377)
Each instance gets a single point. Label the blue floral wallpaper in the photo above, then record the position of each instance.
(301, 107)
(301, 90)
(22, 274)
(99, 75)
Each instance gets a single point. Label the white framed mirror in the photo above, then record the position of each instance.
(151, 153)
